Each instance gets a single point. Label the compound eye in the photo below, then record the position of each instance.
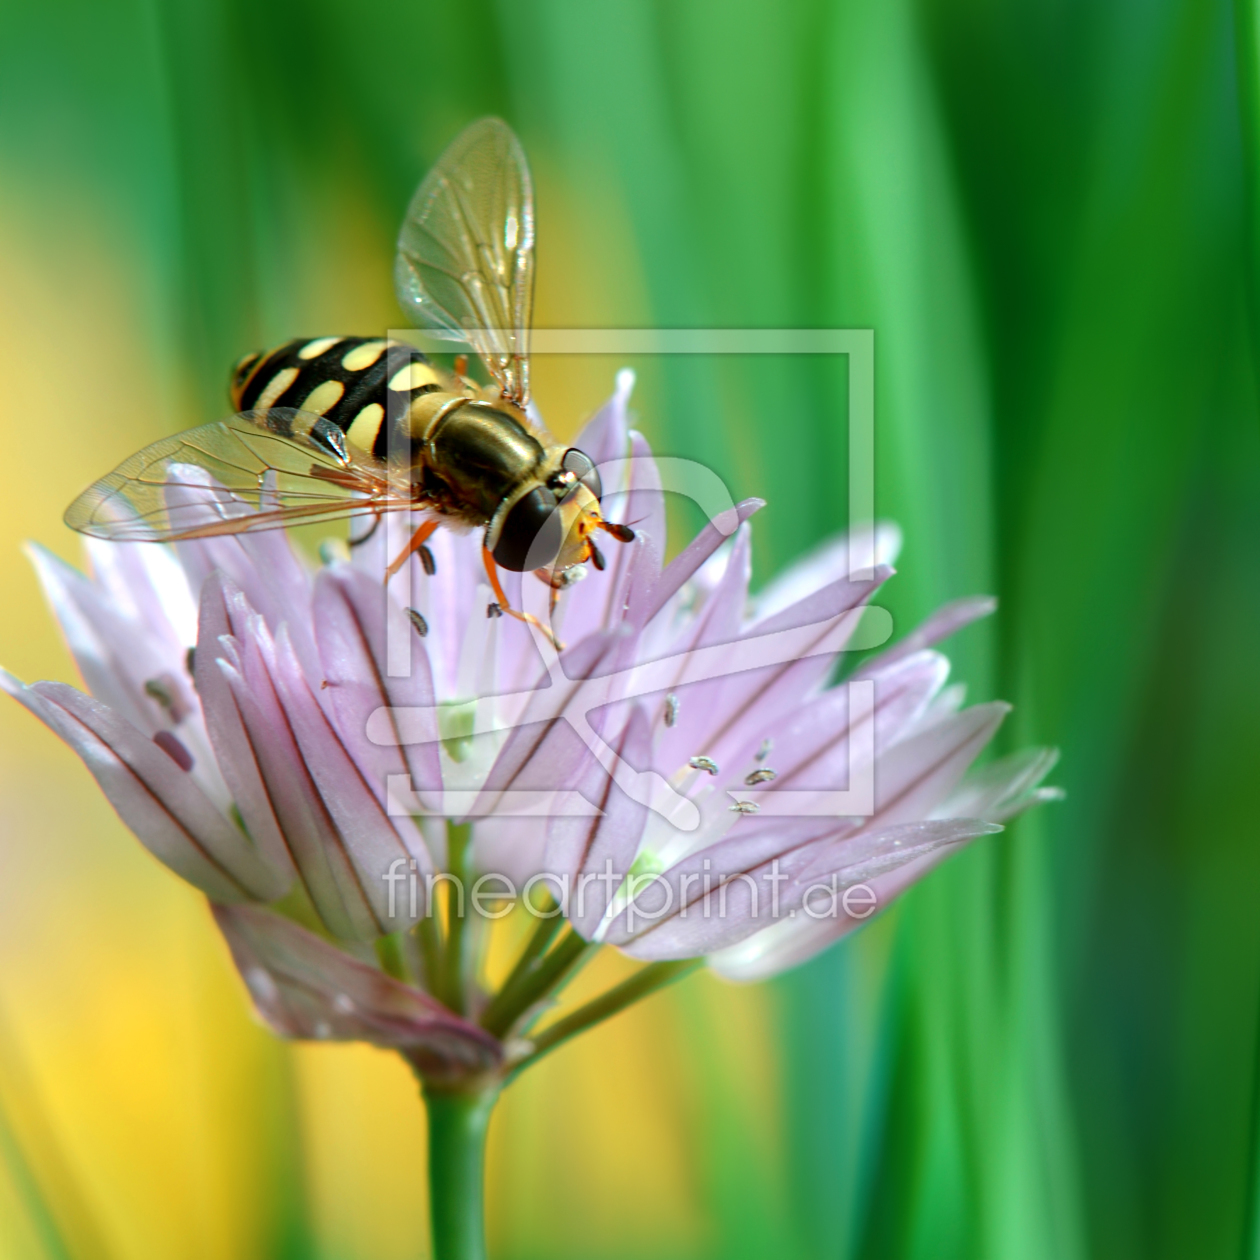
(583, 468)
(532, 533)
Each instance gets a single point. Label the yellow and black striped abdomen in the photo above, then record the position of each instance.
(353, 381)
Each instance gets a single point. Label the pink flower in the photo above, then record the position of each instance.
(672, 775)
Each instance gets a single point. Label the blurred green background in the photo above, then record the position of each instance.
(1047, 1050)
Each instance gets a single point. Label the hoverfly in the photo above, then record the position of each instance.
(353, 427)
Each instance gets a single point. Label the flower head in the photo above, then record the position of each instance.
(320, 753)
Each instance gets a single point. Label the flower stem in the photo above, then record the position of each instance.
(458, 1122)
(647, 981)
(458, 954)
(515, 999)
(390, 955)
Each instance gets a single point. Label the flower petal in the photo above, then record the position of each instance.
(918, 772)
(578, 847)
(827, 563)
(720, 715)
(790, 942)
(172, 817)
(304, 987)
(741, 900)
(368, 839)
(354, 619)
(225, 615)
(702, 546)
(945, 621)
(1003, 788)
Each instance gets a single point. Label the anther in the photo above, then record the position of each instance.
(417, 620)
(157, 690)
(427, 560)
(672, 705)
(761, 776)
(766, 746)
(176, 751)
(704, 763)
(362, 538)
(493, 610)
(745, 807)
(168, 692)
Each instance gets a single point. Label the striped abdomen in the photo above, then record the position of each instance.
(353, 381)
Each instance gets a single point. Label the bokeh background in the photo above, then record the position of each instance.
(1046, 1052)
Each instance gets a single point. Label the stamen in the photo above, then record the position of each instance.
(704, 763)
(745, 807)
(168, 692)
(417, 619)
(672, 705)
(176, 751)
(761, 776)
(334, 551)
(493, 610)
(157, 690)
(362, 538)
(427, 560)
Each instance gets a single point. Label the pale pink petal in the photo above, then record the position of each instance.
(718, 717)
(791, 942)
(650, 602)
(1003, 788)
(829, 562)
(370, 840)
(354, 618)
(154, 795)
(918, 772)
(578, 847)
(308, 831)
(115, 654)
(742, 899)
(225, 618)
(940, 625)
(306, 988)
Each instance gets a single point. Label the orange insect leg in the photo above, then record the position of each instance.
(418, 539)
(492, 572)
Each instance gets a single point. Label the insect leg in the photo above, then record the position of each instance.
(418, 540)
(492, 572)
(362, 538)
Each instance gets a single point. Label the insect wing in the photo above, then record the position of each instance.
(465, 266)
(252, 472)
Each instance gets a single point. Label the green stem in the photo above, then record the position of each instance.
(512, 1003)
(458, 955)
(429, 934)
(458, 1122)
(649, 980)
(541, 937)
(389, 953)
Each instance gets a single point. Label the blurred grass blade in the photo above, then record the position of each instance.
(46, 1186)
(1247, 62)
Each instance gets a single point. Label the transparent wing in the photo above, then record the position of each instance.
(252, 472)
(465, 266)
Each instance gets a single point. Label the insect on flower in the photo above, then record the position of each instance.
(354, 427)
